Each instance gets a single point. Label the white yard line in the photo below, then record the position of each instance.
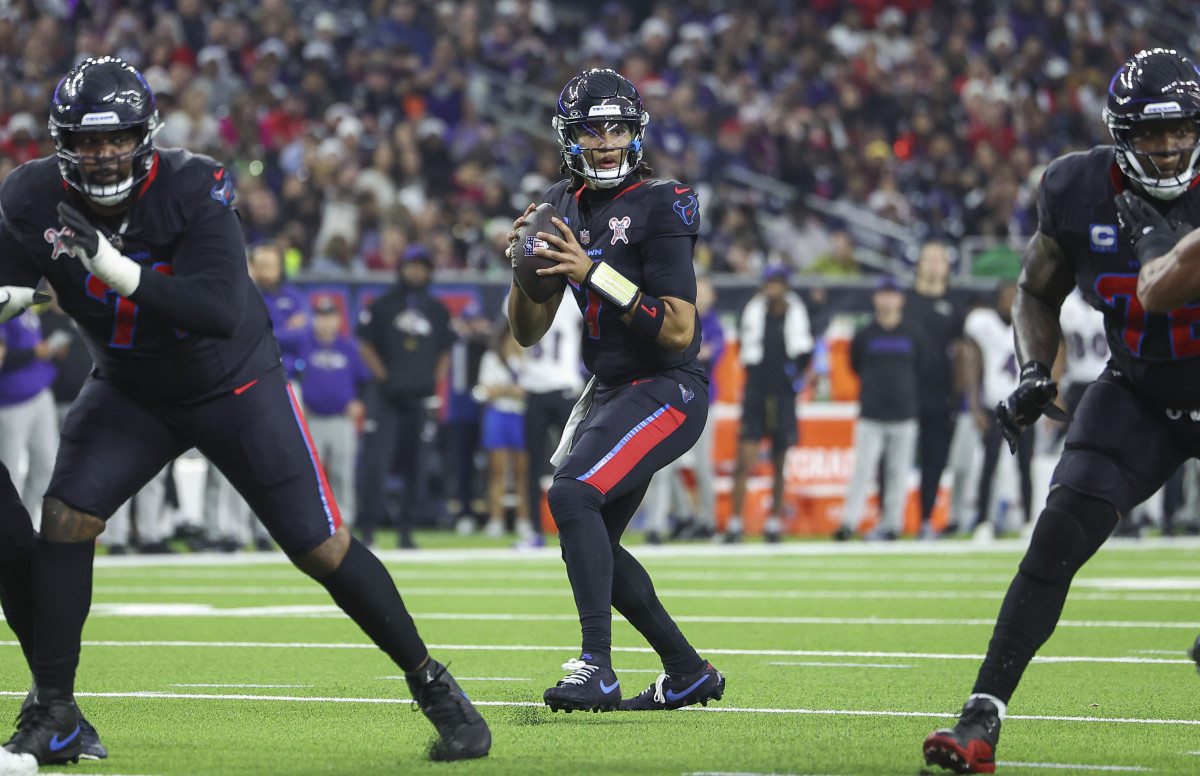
(153, 695)
(322, 610)
(843, 665)
(634, 650)
(1068, 767)
(245, 686)
(714, 551)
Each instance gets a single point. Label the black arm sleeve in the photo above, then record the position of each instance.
(667, 268)
(207, 292)
(16, 269)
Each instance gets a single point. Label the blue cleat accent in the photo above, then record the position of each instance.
(587, 687)
(674, 691)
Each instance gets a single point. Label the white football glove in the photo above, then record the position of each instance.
(15, 300)
(96, 253)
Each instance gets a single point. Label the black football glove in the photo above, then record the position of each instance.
(1034, 397)
(1152, 235)
(84, 238)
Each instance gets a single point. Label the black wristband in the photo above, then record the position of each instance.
(1034, 370)
(648, 316)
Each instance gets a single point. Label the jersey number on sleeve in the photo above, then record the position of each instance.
(125, 316)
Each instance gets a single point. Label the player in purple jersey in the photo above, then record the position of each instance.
(144, 250)
(627, 256)
(1137, 422)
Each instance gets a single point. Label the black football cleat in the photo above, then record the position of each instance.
(463, 733)
(674, 691)
(48, 729)
(1196, 653)
(588, 687)
(969, 746)
(89, 740)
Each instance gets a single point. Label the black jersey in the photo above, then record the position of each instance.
(1157, 352)
(196, 326)
(645, 230)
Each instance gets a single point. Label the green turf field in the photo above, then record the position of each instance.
(839, 659)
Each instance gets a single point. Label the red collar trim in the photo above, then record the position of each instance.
(150, 177)
(626, 191)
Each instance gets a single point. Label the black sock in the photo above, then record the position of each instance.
(362, 587)
(588, 555)
(634, 597)
(62, 595)
(16, 599)
(1027, 618)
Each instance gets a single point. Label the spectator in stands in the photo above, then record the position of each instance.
(888, 356)
(404, 337)
(776, 345)
(839, 259)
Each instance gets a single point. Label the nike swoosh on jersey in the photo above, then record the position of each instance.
(244, 388)
(680, 191)
(644, 380)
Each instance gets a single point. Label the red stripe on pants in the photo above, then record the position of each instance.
(615, 468)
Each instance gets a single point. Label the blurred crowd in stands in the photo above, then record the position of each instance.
(360, 127)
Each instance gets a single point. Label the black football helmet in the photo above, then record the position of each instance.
(600, 98)
(103, 95)
(1155, 85)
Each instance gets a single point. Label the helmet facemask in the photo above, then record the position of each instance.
(587, 146)
(92, 175)
(1162, 174)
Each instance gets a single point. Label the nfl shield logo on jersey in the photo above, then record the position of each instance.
(585, 236)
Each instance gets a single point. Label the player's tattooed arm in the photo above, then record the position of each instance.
(1047, 277)
(1172, 280)
(64, 524)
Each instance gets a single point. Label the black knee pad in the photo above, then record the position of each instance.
(569, 499)
(1069, 531)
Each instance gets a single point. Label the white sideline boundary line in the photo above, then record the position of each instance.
(633, 650)
(156, 695)
(785, 549)
(842, 665)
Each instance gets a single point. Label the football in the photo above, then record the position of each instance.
(539, 288)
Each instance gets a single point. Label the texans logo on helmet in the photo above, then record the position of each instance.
(687, 209)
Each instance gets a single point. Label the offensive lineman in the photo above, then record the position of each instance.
(145, 252)
(627, 254)
(1133, 426)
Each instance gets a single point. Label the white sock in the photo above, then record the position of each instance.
(1001, 706)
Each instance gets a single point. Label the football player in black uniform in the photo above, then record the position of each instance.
(627, 257)
(145, 251)
(1137, 422)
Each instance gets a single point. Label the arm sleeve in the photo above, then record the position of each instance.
(667, 268)
(206, 293)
